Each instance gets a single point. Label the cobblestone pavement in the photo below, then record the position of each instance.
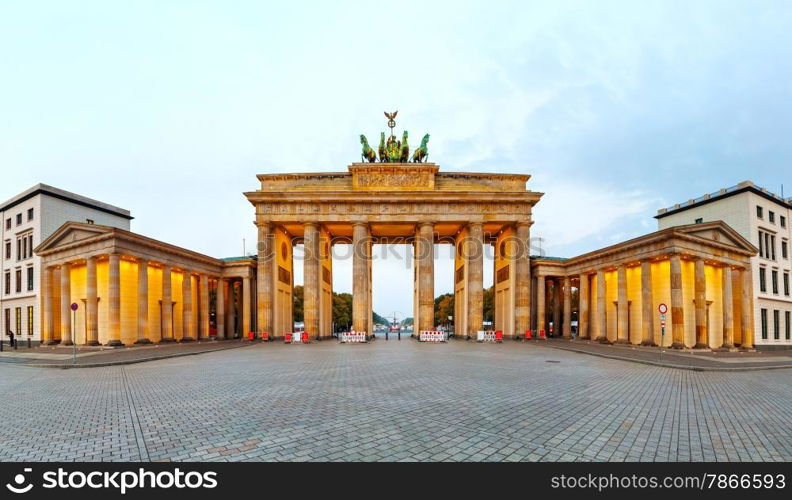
(394, 401)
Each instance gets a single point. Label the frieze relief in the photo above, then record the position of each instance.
(358, 208)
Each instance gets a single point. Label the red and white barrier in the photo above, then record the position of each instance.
(353, 337)
(431, 336)
(488, 336)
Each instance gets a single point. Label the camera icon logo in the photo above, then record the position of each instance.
(19, 481)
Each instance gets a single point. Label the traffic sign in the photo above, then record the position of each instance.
(662, 317)
(662, 308)
(74, 306)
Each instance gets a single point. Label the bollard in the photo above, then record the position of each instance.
(28, 342)
(1, 344)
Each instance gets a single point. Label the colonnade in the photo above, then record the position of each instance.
(593, 316)
(195, 317)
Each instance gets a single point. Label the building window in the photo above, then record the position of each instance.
(783, 221)
(762, 279)
(18, 281)
(788, 326)
(18, 322)
(775, 282)
(699, 221)
(7, 320)
(776, 325)
(30, 214)
(785, 249)
(772, 247)
(19, 219)
(786, 284)
(8, 250)
(30, 320)
(771, 217)
(8, 223)
(759, 212)
(7, 282)
(764, 324)
(30, 279)
(30, 245)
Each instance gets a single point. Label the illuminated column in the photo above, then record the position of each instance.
(167, 305)
(747, 317)
(623, 306)
(360, 277)
(602, 315)
(567, 323)
(264, 281)
(311, 280)
(65, 305)
(114, 300)
(677, 304)
(246, 306)
(474, 249)
(47, 330)
(220, 308)
(91, 303)
(728, 309)
(556, 307)
(203, 311)
(583, 307)
(702, 342)
(187, 308)
(541, 309)
(231, 320)
(522, 276)
(142, 319)
(647, 305)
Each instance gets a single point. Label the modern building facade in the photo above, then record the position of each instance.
(764, 219)
(27, 219)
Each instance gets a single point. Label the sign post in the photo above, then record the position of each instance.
(74, 332)
(663, 309)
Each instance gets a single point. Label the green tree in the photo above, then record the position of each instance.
(489, 304)
(298, 304)
(342, 310)
(443, 308)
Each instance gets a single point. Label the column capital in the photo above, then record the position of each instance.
(524, 223)
(425, 223)
(358, 223)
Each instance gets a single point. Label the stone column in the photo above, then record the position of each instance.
(231, 320)
(203, 312)
(311, 279)
(567, 322)
(541, 309)
(142, 319)
(264, 281)
(91, 303)
(728, 309)
(747, 317)
(474, 250)
(360, 277)
(677, 304)
(522, 276)
(65, 305)
(623, 306)
(556, 307)
(702, 342)
(583, 307)
(167, 305)
(220, 308)
(647, 305)
(114, 300)
(602, 312)
(246, 306)
(47, 327)
(187, 308)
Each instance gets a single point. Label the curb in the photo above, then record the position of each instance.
(69, 366)
(671, 365)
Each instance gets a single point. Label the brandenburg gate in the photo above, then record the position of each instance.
(393, 202)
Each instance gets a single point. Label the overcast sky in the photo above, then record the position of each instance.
(170, 109)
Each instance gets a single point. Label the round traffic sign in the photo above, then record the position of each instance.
(74, 306)
(662, 308)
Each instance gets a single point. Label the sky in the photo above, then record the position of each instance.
(616, 109)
